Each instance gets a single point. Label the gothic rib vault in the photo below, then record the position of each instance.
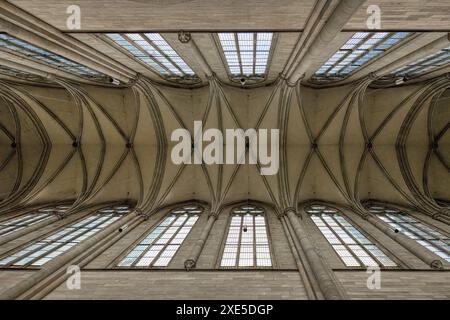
(345, 145)
(92, 132)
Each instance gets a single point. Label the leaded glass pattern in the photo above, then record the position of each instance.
(159, 246)
(246, 53)
(23, 221)
(361, 48)
(354, 249)
(247, 242)
(427, 64)
(15, 45)
(154, 51)
(50, 246)
(435, 241)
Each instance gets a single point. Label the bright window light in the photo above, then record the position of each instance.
(436, 242)
(24, 48)
(246, 53)
(424, 65)
(247, 243)
(154, 51)
(361, 48)
(23, 221)
(49, 247)
(159, 246)
(354, 249)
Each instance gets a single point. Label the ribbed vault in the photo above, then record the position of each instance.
(348, 144)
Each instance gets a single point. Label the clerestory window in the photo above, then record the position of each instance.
(247, 242)
(433, 240)
(159, 246)
(56, 243)
(354, 248)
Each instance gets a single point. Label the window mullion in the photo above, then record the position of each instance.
(255, 260)
(239, 244)
(238, 52)
(164, 245)
(61, 244)
(137, 46)
(359, 243)
(144, 252)
(163, 53)
(44, 245)
(342, 240)
(255, 39)
(170, 239)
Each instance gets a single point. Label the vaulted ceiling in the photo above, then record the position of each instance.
(344, 144)
(63, 137)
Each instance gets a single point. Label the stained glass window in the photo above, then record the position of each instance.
(435, 241)
(354, 249)
(158, 247)
(247, 242)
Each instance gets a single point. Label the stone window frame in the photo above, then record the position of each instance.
(319, 78)
(48, 211)
(225, 236)
(368, 236)
(416, 217)
(156, 67)
(30, 51)
(115, 264)
(253, 79)
(46, 236)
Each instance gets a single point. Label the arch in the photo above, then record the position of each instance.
(267, 206)
(168, 207)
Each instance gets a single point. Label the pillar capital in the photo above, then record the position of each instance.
(289, 209)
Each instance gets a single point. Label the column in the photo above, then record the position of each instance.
(321, 272)
(191, 262)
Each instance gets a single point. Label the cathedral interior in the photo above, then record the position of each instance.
(90, 96)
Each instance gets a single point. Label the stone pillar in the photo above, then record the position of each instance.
(336, 21)
(303, 269)
(191, 262)
(322, 273)
(423, 254)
